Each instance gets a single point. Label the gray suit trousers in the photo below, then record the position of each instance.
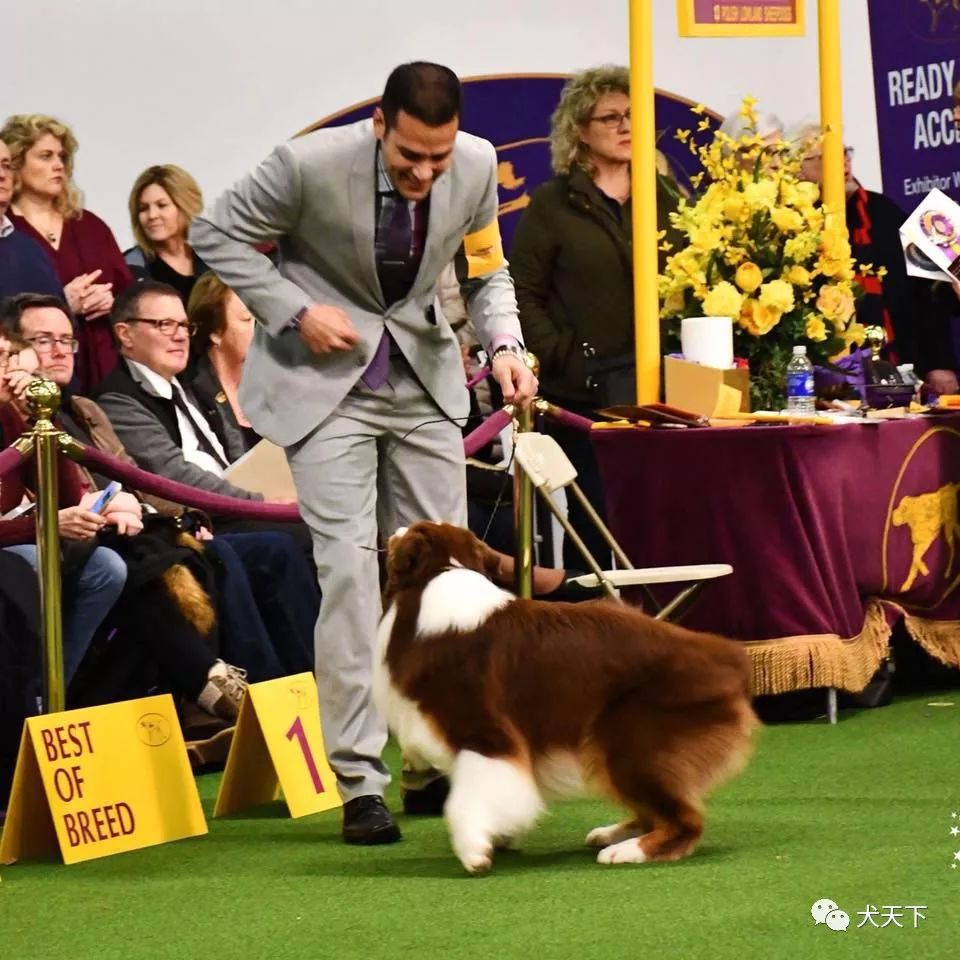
(360, 470)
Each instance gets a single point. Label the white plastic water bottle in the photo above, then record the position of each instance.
(800, 383)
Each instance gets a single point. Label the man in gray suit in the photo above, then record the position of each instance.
(353, 367)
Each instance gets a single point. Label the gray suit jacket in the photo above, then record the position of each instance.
(316, 195)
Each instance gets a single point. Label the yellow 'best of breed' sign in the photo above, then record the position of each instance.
(101, 780)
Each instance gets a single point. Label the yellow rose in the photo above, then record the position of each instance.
(724, 300)
(757, 318)
(777, 294)
(835, 304)
(816, 329)
(786, 220)
(748, 277)
(798, 276)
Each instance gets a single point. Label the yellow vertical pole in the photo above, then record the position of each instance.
(643, 192)
(831, 109)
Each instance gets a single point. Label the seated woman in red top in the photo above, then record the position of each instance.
(47, 206)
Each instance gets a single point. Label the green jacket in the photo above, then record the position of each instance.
(572, 266)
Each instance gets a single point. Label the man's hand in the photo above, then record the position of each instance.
(326, 329)
(942, 381)
(516, 379)
(78, 523)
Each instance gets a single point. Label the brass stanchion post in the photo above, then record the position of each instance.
(43, 400)
(523, 501)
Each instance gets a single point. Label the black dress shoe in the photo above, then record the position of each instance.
(427, 802)
(366, 820)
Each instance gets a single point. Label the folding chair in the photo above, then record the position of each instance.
(549, 470)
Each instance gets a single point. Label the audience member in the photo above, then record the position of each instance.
(902, 305)
(223, 330)
(572, 266)
(154, 413)
(93, 576)
(163, 202)
(23, 264)
(47, 206)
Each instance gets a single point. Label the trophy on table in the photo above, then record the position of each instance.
(884, 384)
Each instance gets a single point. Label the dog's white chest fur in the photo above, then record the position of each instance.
(457, 599)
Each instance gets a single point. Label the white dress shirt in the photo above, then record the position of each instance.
(188, 434)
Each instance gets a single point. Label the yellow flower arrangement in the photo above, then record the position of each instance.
(761, 249)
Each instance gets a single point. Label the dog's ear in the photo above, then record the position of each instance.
(408, 560)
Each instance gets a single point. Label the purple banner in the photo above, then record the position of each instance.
(513, 113)
(916, 66)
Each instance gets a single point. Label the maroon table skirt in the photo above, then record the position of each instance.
(833, 533)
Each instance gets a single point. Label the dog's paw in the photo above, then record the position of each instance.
(477, 862)
(604, 836)
(627, 851)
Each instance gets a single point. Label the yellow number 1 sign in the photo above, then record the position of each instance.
(278, 747)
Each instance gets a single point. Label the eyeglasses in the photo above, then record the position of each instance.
(168, 327)
(612, 121)
(847, 152)
(43, 343)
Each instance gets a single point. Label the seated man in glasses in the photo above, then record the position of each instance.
(155, 415)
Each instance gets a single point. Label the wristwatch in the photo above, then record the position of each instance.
(297, 318)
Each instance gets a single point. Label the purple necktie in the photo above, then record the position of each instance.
(378, 369)
(393, 268)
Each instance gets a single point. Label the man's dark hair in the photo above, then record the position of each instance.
(428, 92)
(127, 305)
(13, 308)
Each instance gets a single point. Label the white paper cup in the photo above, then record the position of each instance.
(707, 341)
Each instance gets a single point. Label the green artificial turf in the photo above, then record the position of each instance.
(859, 813)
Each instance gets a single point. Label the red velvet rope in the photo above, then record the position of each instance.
(10, 459)
(216, 504)
(568, 419)
(487, 430)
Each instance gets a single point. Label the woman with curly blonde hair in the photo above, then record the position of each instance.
(48, 207)
(163, 202)
(572, 266)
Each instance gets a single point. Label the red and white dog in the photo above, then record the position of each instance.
(517, 699)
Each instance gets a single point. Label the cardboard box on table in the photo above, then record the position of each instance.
(705, 390)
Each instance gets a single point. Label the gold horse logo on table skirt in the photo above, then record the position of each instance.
(927, 516)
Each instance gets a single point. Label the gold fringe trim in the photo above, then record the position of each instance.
(821, 660)
(191, 599)
(940, 638)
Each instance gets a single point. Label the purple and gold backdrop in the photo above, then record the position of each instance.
(513, 112)
(916, 65)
